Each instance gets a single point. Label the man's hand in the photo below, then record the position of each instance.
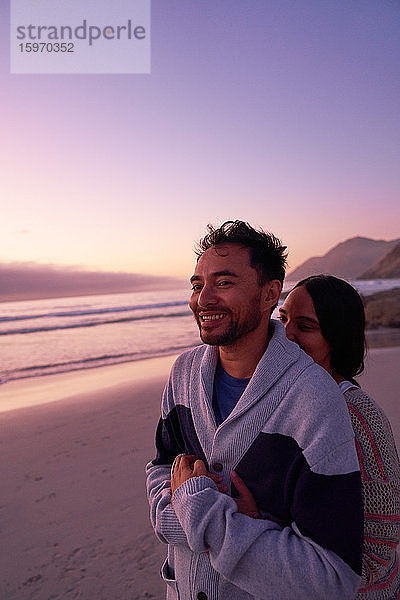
(245, 503)
(187, 466)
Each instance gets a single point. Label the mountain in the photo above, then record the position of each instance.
(349, 259)
(387, 267)
(30, 281)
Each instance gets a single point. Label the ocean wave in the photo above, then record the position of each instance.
(92, 311)
(86, 363)
(92, 323)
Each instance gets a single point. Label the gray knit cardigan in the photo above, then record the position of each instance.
(290, 439)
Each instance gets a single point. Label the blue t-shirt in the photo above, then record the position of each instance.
(227, 391)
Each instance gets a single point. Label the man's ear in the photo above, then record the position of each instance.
(272, 293)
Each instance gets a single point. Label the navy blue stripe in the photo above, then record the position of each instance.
(175, 435)
(270, 469)
(324, 509)
(286, 490)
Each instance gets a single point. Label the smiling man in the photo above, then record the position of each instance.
(232, 302)
(250, 400)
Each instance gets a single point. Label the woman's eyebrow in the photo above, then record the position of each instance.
(301, 317)
(309, 319)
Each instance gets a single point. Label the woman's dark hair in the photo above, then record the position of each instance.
(267, 254)
(341, 317)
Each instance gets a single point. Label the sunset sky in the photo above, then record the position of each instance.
(285, 114)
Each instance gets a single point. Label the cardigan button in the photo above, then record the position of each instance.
(218, 468)
(202, 596)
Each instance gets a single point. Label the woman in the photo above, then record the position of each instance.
(325, 316)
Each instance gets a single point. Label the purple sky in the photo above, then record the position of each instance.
(285, 114)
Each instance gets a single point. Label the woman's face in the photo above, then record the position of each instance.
(301, 323)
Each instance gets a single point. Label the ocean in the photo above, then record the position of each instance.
(42, 337)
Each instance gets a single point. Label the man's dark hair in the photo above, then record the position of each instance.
(267, 255)
(341, 317)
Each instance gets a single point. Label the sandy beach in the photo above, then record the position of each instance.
(73, 512)
(72, 500)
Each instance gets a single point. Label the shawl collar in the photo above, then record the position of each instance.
(279, 356)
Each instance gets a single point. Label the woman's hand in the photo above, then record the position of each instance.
(245, 503)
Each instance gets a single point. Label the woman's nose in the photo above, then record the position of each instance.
(290, 332)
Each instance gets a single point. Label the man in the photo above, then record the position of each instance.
(252, 401)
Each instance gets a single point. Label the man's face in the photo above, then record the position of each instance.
(227, 300)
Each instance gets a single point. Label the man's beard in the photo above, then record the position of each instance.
(235, 330)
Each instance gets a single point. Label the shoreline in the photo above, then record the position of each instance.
(46, 389)
(95, 364)
(382, 337)
(82, 380)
